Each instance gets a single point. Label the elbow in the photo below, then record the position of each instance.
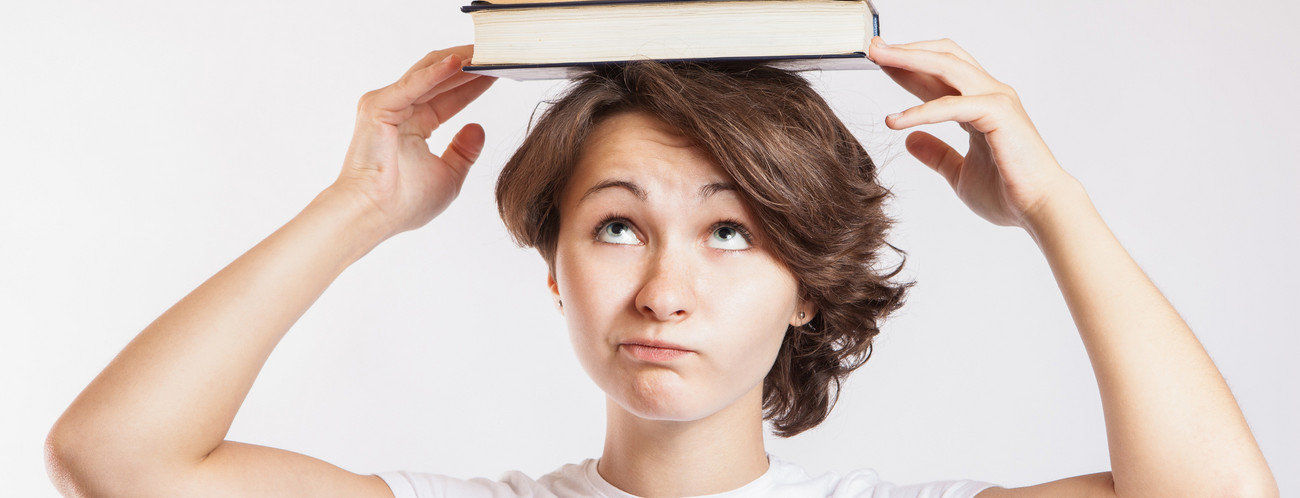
(61, 462)
(1246, 487)
(1266, 488)
(1257, 481)
(78, 464)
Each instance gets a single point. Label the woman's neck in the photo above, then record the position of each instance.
(718, 453)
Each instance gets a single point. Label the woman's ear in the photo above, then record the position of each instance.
(803, 313)
(555, 292)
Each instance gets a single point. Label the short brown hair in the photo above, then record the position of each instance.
(809, 182)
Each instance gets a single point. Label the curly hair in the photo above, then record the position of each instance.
(810, 183)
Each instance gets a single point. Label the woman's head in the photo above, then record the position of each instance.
(707, 206)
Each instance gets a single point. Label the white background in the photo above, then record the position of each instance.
(145, 145)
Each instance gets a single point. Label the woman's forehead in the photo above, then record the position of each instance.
(637, 125)
(638, 149)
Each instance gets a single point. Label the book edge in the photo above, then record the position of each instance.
(875, 19)
(480, 5)
(566, 70)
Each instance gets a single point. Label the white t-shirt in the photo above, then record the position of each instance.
(782, 479)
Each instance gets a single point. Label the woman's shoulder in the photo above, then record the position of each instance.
(783, 479)
(566, 481)
(864, 483)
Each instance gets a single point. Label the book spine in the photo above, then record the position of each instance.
(477, 5)
(875, 19)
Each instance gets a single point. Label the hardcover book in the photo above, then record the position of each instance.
(527, 39)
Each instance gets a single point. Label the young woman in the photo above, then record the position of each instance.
(710, 234)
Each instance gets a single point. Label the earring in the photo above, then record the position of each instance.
(801, 315)
(561, 302)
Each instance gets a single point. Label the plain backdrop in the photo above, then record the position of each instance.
(146, 145)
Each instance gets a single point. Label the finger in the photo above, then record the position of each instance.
(399, 96)
(453, 101)
(456, 80)
(948, 68)
(464, 149)
(936, 154)
(942, 45)
(986, 113)
(464, 51)
(921, 85)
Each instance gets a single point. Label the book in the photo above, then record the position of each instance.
(541, 39)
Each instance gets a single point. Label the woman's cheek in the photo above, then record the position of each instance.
(597, 290)
(768, 302)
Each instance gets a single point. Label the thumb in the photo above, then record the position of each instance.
(464, 149)
(936, 154)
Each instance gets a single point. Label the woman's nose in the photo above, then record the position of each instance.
(668, 293)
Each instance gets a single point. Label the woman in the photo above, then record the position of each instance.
(681, 299)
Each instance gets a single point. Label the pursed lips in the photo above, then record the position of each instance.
(655, 344)
(654, 350)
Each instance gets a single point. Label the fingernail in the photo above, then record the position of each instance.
(893, 116)
(879, 42)
(447, 59)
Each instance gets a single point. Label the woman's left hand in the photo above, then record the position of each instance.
(1008, 174)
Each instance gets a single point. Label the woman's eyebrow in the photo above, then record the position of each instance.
(715, 187)
(705, 191)
(611, 183)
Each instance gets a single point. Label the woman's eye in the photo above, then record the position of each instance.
(728, 237)
(617, 232)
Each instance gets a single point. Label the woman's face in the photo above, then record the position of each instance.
(655, 244)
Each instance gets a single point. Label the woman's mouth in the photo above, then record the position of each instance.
(652, 353)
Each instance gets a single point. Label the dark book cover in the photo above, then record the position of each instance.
(855, 60)
(477, 5)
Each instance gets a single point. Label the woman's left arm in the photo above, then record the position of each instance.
(1172, 425)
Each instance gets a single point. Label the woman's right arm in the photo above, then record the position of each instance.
(154, 422)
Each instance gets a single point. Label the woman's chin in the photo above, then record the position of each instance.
(663, 412)
(660, 399)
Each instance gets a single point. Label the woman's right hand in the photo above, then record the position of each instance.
(154, 422)
(389, 167)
